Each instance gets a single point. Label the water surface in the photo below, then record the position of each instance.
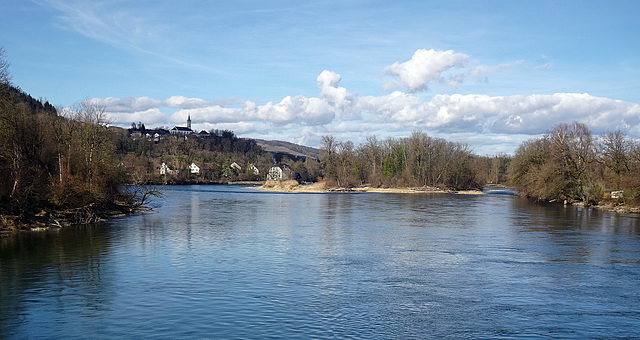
(235, 263)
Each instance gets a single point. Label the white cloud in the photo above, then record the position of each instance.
(399, 105)
(425, 67)
(127, 104)
(495, 123)
(152, 115)
(337, 97)
(533, 114)
(185, 103)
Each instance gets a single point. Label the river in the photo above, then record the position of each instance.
(228, 262)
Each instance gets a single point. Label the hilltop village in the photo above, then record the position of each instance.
(181, 155)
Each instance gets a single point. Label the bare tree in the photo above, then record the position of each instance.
(5, 77)
(329, 157)
(371, 155)
(573, 151)
(346, 161)
(615, 151)
(95, 139)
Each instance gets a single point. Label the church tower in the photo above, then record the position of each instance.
(189, 122)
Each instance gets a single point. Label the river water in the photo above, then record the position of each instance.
(234, 263)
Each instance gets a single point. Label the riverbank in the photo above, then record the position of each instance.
(611, 206)
(292, 186)
(53, 219)
(619, 208)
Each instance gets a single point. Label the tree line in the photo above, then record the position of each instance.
(570, 164)
(57, 165)
(415, 161)
(53, 160)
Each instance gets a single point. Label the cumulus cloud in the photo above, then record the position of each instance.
(337, 97)
(531, 115)
(350, 116)
(149, 115)
(299, 109)
(474, 113)
(185, 103)
(425, 67)
(397, 105)
(127, 104)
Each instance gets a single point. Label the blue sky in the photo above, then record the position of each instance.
(487, 73)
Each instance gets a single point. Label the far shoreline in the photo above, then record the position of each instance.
(292, 186)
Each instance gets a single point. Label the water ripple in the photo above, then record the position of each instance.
(225, 262)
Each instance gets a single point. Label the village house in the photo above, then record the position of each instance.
(253, 169)
(194, 169)
(275, 174)
(236, 166)
(165, 170)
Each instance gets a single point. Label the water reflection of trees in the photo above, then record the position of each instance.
(575, 234)
(549, 217)
(40, 273)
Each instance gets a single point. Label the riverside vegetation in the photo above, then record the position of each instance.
(71, 166)
(569, 164)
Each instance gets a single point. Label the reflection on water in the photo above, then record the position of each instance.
(228, 262)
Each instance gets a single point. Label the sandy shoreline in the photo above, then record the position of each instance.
(293, 187)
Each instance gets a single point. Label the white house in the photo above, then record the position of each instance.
(194, 169)
(253, 169)
(181, 131)
(236, 167)
(165, 170)
(275, 173)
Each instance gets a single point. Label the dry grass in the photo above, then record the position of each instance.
(291, 186)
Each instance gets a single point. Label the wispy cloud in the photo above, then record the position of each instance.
(105, 21)
(482, 72)
(545, 66)
(126, 27)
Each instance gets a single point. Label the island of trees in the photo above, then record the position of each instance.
(71, 166)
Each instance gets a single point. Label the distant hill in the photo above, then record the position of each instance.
(290, 148)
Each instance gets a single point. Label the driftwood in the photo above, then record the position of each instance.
(81, 215)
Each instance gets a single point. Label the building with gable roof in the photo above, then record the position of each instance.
(183, 130)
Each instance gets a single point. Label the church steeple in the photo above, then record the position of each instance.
(189, 122)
